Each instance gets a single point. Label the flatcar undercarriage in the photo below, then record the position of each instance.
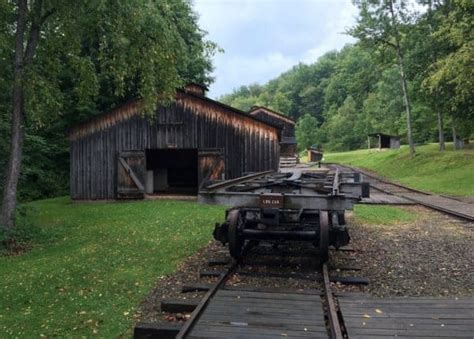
(299, 206)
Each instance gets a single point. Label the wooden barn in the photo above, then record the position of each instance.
(122, 154)
(288, 145)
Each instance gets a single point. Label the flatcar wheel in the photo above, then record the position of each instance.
(234, 220)
(323, 236)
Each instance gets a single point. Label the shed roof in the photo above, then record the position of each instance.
(383, 135)
(134, 107)
(269, 111)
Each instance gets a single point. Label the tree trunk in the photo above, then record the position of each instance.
(18, 129)
(403, 79)
(406, 100)
(442, 146)
(455, 137)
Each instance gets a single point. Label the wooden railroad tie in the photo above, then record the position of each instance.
(293, 275)
(162, 330)
(218, 262)
(350, 280)
(179, 305)
(195, 287)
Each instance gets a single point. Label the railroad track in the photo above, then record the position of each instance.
(272, 292)
(332, 313)
(441, 203)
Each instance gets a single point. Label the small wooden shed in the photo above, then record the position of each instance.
(384, 140)
(122, 154)
(315, 154)
(288, 145)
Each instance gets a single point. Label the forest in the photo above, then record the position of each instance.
(77, 59)
(347, 94)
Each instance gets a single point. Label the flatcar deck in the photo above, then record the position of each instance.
(415, 317)
(250, 314)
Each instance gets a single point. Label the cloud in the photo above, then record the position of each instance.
(264, 38)
(240, 70)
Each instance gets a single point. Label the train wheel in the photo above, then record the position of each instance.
(234, 220)
(323, 236)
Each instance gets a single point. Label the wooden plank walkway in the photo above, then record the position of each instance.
(448, 204)
(251, 314)
(414, 317)
(377, 198)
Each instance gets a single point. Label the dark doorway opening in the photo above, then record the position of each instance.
(172, 171)
(384, 141)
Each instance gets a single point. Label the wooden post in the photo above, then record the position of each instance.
(455, 137)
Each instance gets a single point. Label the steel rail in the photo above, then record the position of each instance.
(385, 181)
(334, 325)
(382, 180)
(195, 315)
(434, 207)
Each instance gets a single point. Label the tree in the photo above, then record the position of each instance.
(452, 73)
(307, 132)
(72, 59)
(380, 24)
(345, 128)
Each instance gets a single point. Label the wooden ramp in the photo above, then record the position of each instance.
(462, 209)
(415, 317)
(251, 314)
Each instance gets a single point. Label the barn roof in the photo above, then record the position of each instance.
(134, 107)
(271, 112)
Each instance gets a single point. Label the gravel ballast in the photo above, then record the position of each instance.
(431, 256)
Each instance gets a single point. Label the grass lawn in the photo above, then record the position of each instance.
(449, 172)
(382, 215)
(92, 263)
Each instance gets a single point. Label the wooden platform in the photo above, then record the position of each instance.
(415, 317)
(377, 198)
(450, 205)
(252, 314)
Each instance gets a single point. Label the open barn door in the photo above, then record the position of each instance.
(211, 165)
(131, 175)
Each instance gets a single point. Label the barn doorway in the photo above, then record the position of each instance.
(172, 171)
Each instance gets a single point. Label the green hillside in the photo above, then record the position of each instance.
(450, 172)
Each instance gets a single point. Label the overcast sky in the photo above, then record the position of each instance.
(263, 38)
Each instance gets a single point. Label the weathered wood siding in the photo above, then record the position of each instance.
(286, 124)
(249, 145)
